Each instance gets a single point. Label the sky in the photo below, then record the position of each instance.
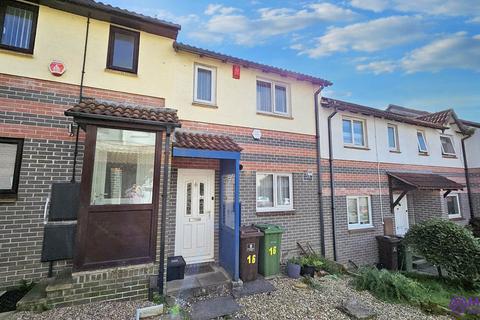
(423, 54)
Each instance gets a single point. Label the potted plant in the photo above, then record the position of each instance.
(310, 264)
(293, 268)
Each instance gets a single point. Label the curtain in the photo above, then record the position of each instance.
(280, 99)
(123, 50)
(364, 210)
(8, 155)
(358, 133)
(283, 191)
(352, 211)
(264, 190)
(264, 96)
(204, 84)
(17, 27)
(347, 131)
(392, 141)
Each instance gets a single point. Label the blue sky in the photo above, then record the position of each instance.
(423, 54)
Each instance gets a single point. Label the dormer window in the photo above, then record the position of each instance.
(123, 50)
(447, 146)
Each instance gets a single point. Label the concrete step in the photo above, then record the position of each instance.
(35, 299)
(200, 284)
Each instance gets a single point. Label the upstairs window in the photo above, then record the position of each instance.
(354, 132)
(453, 206)
(204, 84)
(11, 159)
(274, 192)
(447, 146)
(19, 24)
(393, 137)
(123, 50)
(272, 97)
(422, 142)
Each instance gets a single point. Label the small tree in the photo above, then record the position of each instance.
(448, 245)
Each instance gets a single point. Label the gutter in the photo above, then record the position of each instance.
(467, 176)
(332, 183)
(319, 171)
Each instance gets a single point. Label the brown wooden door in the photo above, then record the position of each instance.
(119, 198)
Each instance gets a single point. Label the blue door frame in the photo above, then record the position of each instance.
(229, 228)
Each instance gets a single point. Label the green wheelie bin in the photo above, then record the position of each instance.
(269, 250)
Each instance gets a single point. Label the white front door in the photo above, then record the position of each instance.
(194, 237)
(401, 216)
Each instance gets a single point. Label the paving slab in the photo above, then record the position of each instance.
(253, 287)
(214, 308)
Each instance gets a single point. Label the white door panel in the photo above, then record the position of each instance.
(194, 238)
(401, 216)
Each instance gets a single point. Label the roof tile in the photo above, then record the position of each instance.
(205, 141)
(426, 181)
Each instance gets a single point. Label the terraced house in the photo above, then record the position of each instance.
(122, 147)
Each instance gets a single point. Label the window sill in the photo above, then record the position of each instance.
(8, 198)
(423, 154)
(456, 218)
(449, 156)
(275, 115)
(276, 213)
(395, 151)
(360, 230)
(204, 105)
(123, 73)
(17, 52)
(356, 147)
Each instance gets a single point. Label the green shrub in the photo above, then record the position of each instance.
(390, 286)
(448, 245)
(311, 260)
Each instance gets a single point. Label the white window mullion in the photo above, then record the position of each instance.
(275, 198)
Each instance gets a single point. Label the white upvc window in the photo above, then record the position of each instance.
(453, 206)
(393, 144)
(354, 132)
(272, 97)
(421, 142)
(205, 84)
(359, 212)
(274, 191)
(447, 145)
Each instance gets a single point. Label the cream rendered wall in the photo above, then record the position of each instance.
(377, 141)
(472, 147)
(162, 72)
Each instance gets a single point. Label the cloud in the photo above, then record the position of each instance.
(455, 51)
(474, 20)
(368, 36)
(378, 67)
(229, 22)
(429, 7)
(458, 51)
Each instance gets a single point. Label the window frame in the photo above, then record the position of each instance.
(459, 214)
(275, 207)
(12, 192)
(357, 226)
(111, 43)
(396, 138)
(424, 140)
(273, 84)
(364, 131)
(454, 154)
(25, 6)
(213, 88)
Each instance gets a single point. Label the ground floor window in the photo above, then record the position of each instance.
(274, 191)
(10, 159)
(453, 206)
(359, 212)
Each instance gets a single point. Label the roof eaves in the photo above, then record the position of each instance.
(250, 64)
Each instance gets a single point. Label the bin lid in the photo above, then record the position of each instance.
(269, 228)
(250, 232)
(175, 261)
(389, 239)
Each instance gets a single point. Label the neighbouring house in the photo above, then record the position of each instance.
(133, 148)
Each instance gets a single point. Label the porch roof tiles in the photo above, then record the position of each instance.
(426, 181)
(108, 111)
(205, 141)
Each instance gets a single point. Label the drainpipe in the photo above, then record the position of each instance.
(84, 59)
(319, 172)
(332, 184)
(467, 176)
(163, 219)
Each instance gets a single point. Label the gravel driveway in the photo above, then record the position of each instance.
(287, 302)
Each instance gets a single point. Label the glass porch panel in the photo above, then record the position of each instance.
(123, 167)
